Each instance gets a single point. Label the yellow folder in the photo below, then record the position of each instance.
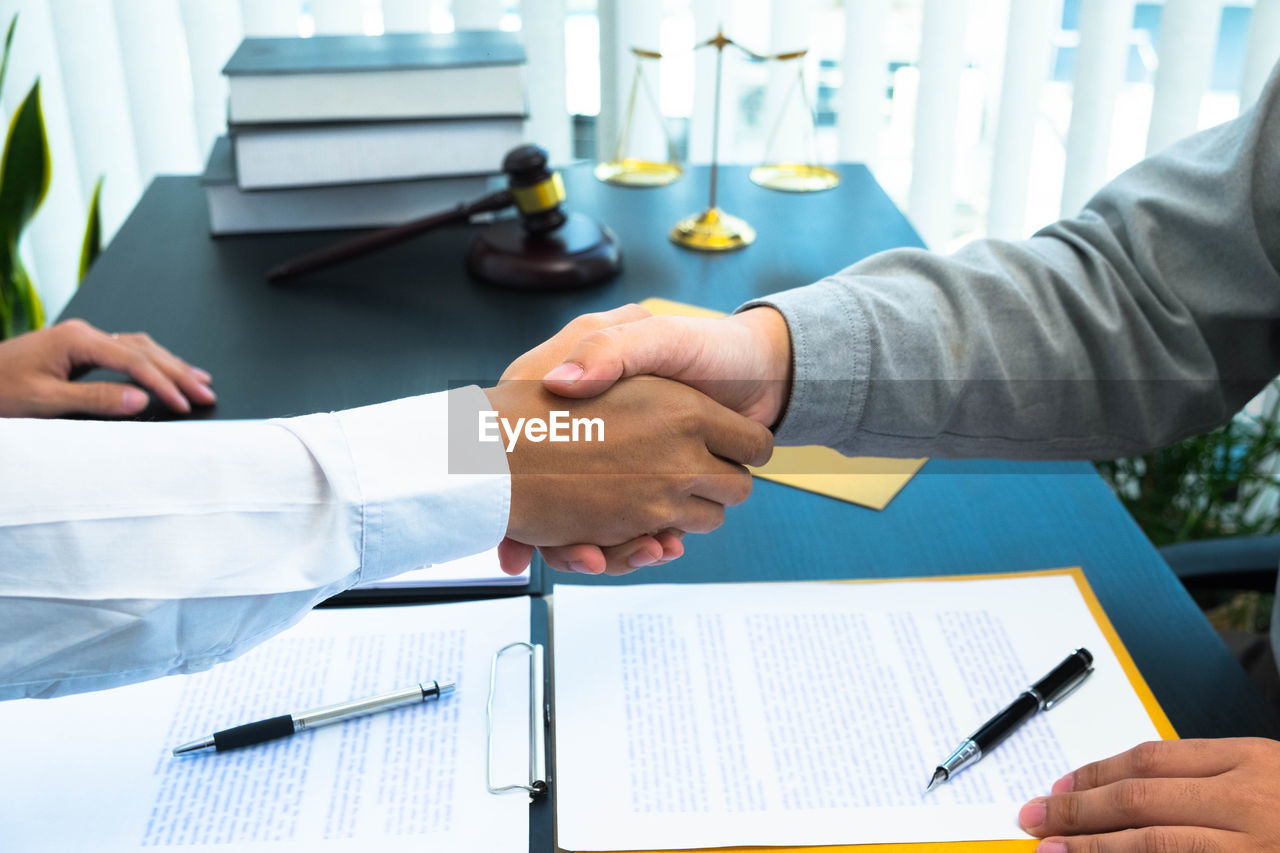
(1148, 699)
(867, 481)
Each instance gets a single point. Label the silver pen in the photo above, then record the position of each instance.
(288, 724)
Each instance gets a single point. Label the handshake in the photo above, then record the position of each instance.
(625, 431)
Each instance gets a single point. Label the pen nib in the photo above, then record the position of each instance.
(939, 776)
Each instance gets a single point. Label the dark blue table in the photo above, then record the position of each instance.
(409, 321)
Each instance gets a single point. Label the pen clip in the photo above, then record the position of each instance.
(537, 784)
(1067, 688)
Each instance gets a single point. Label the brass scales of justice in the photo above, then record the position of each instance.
(713, 230)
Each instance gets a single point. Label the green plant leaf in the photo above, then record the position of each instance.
(28, 311)
(26, 169)
(7, 294)
(8, 43)
(92, 243)
(20, 306)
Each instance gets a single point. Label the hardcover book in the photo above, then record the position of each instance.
(397, 75)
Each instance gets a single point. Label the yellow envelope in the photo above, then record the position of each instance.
(867, 481)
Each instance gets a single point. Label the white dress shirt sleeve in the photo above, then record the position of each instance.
(134, 550)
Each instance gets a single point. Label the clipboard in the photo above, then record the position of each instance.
(159, 801)
(537, 784)
(358, 597)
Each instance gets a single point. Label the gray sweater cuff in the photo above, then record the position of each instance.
(829, 359)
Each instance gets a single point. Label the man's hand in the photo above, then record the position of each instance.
(1189, 796)
(742, 361)
(642, 551)
(36, 370)
(670, 459)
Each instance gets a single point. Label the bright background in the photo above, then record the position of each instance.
(980, 117)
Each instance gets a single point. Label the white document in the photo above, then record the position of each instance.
(94, 771)
(477, 570)
(713, 715)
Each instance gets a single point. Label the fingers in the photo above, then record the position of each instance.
(660, 346)
(583, 559)
(738, 439)
(617, 559)
(728, 484)
(514, 557)
(670, 548)
(104, 399)
(176, 383)
(1151, 839)
(191, 381)
(1122, 805)
(699, 515)
(587, 323)
(1156, 759)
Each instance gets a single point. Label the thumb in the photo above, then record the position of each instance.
(514, 557)
(657, 346)
(109, 399)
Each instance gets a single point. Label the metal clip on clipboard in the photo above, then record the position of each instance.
(537, 784)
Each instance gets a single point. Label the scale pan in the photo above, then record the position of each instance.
(631, 172)
(795, 177)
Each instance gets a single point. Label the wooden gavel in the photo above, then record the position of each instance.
(544, 248)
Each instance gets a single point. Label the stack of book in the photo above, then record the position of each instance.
(362, 131)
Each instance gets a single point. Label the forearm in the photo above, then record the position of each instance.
(161, 547)
(1149, 317)
(55, 646)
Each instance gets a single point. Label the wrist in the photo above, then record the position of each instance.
(772, 341)
(501, 400)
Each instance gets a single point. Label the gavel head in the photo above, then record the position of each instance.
(538, 192)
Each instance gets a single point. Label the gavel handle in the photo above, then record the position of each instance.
(372, 242)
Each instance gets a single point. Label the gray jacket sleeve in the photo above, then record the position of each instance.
(1153, 315)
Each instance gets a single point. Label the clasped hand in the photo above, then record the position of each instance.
(742, 362)
(671, 460)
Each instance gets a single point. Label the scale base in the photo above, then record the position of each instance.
(713, 230)
(580, 253)
(630, 172)
(795, 177)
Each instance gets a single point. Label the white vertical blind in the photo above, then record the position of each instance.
(406, 16)
(97, 97)
(543, 24)
(1099, 74)
(930, 199)
(212, 31)
(271, 17)
(477, 14)
(337, 17)
(784, 116)
(153, 50)
(1262, 50)
(1188, 38)
(1027, 59)
(133, 87)
(861, 92)
(625, 24)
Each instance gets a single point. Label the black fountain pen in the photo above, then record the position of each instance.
(1041, 696)
(288, 724)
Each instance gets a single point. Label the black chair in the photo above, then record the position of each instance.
(1241, 563)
